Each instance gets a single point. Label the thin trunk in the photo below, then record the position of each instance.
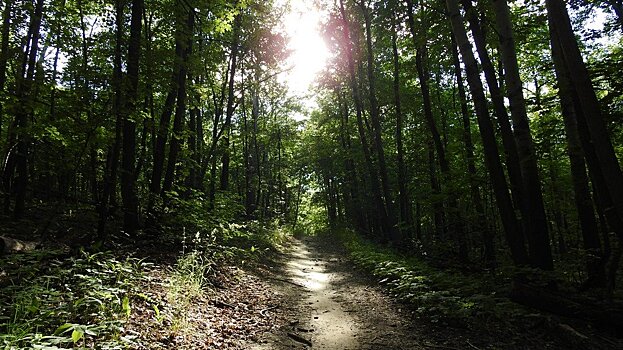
(403, 196)
(437, 203)
(512, 230)
(229, 113)
(380, 218)
(192, 145)
(481, 226)
(536, 221)
(24, 114)
(186, 21)
(389, 219)
(421, 57)
(86, 103)
(583, 200)
(508, 140)
(4, 56)
(108, 198)
(131, 215)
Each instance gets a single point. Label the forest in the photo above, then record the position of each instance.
(456, 162)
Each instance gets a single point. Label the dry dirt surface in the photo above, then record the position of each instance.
(327, 304)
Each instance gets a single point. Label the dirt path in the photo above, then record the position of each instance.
(328, 305)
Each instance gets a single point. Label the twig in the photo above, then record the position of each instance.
(472, 345)
(268, 309)
(300, 339)
(286, 281)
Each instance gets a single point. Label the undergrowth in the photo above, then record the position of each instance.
(76, 299)
(448, 297)
(51, 301)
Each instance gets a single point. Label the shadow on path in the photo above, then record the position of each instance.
(328, 305)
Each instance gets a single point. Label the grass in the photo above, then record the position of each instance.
(188, 282)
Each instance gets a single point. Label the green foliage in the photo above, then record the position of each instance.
(54, 301)
(312, 216)
(217, 232)
(442, 296)
(192, 221)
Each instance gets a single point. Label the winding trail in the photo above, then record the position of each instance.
(328, 305)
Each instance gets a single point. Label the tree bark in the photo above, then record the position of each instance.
(481, 226)
(108, 198)
(393, 233)
(583, 201)
(514, 236)
(588, 104)
(4, 57)
(405, 205)
(455, 221)
(497, 99)
(186, 23)
(536, 221)
(230, 103)
(24, 113)
(131, 215)
(380, 218)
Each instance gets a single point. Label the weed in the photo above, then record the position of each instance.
(57, 302)
(187, 283)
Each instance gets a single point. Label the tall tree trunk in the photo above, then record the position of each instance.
(394, 234)
(403, 196)
(437, 203)
(536, 222)
(131, 216)
(514, 236)
(86, 101)
(192, 141)
(229, 113)
(354, 204)
(583, 200)
(252, 189)
(24, 113)
(380, 218)
(186, 23)
(108, 198)
(4, 57)
(163, 132)
(497, 99)
(421, 56)
(481, 226)
(588, 110)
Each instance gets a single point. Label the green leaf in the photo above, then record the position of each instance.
(125, 306)
(63, 328)
(76, 335)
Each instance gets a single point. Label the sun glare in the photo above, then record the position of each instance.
(309, 52)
